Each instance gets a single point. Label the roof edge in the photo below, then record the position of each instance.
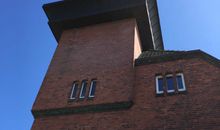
(69, 14)
(177, 56)
(154, 21)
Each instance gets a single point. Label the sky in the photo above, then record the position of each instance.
(27, 46)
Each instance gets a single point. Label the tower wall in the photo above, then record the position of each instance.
(104, 52)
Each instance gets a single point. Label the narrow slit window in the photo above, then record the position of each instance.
(74, 90)
(170, 83)
(83, 89)
(92, 89)
(159, 85)
(180, 82)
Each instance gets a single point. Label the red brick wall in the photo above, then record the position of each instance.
(105, 52)
(199, 109)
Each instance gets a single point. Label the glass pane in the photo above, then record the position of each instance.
(74, 91)
(83, 89)
(160, 84)
(92, 88)
(170, 84)
(179, 82)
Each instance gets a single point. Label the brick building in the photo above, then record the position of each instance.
(110, 72)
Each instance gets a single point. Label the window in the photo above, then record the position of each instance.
(170, 83)
(159, 84)
(92, 89)
(83, 89)
(78, 92)
(74, 90)
(180, 82)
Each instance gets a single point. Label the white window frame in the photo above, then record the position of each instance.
(168, 76)
(82, 87)
(183, 81)
(91, 87)
(73, 89)
(157, 84)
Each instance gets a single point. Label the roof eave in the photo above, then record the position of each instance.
(73, 14)
(178, 56)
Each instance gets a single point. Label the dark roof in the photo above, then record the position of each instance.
(68, 14)
(155, 53)
(153, 56)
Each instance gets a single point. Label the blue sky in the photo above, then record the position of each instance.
(27, 46)
(191, 24)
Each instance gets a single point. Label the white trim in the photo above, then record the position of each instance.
(151, 30)
(170, 91)
(73, 89)
(169, 75)
(183, 81)
(157, 85)
(91, 87)
(82, 87)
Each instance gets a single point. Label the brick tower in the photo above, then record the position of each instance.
(111, 72)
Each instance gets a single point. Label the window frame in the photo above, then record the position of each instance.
(168, 76)
(73, 90)
(91, 87)
(157, 84)
(183, 81)
(83, 86)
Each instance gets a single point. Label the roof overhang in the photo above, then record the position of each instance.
(68, 14)
(155, 57)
